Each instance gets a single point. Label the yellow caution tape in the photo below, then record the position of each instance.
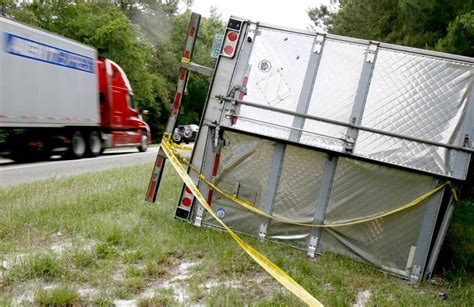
(277, 273)
(251, 207)
(167, 138)
(181, 147)
(453, 191)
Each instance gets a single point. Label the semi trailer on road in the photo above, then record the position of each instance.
(58, 97)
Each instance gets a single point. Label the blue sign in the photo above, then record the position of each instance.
(217, 45)
(27, 48)
(220, 213)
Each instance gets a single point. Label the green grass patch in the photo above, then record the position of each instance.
(162, 297)
(136, 245)
(39, 266)
(62, 295)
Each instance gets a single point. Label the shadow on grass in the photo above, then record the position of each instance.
(456, 259)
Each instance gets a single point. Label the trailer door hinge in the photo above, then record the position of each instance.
(372, 51)
(262, 231)
(415, 274)
(252, 30)
(318, 44)
(313, 243)
(466, 143)
(217, 140)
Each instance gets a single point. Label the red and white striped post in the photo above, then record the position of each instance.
(181, 86)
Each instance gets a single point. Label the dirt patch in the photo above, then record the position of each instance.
(58, 243)
(175, 283)
(363, 298)
(26, 298)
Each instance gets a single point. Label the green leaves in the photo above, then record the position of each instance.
(444, 25)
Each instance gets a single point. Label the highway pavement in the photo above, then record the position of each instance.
(12, 173)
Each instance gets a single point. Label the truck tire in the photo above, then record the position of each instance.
(177, 138)
(94, 144)
(143, 143)
(77, 147)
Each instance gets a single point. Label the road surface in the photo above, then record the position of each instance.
(12, 173)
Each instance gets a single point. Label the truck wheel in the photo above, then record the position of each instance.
(94, 144)
(77, 148)
(143, 143)
(177, 138)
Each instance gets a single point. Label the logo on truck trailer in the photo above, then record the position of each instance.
(27, 48)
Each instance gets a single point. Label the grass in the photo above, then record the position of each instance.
(40, 266)
(162, 297)
(62, 295)
(122, 246)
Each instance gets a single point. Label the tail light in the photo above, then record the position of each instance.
(187, 199)
(231, 38)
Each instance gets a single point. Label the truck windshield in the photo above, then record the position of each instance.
(131, 101)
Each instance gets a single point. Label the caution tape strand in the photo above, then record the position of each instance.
(276, 272)
(250, 206)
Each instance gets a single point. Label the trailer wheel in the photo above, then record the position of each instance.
(177, 138)
(77, 148)
(94, 144)
(143, 143)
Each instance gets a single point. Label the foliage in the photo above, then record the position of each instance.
(444, 25)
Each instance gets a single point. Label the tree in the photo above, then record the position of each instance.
(460, 36)
(444, 25)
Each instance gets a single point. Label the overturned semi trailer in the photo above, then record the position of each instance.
(324, 129)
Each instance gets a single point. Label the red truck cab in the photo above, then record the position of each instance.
(120, 122)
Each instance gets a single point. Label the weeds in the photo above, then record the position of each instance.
(139, 245)
(62, 295)
(162, 297)
(44, 266)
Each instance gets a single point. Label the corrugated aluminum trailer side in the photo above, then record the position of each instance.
(324, 129)
(45, 80)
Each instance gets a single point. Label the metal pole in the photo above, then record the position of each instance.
(183, 72)
(336, 122)
(182, 79)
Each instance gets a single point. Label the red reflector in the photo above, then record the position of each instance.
(176, 104)
(151, 191)
(228, 50)
(186, 202)
(232, 36)
(192, 31)
(182, 74)
(188, 190)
